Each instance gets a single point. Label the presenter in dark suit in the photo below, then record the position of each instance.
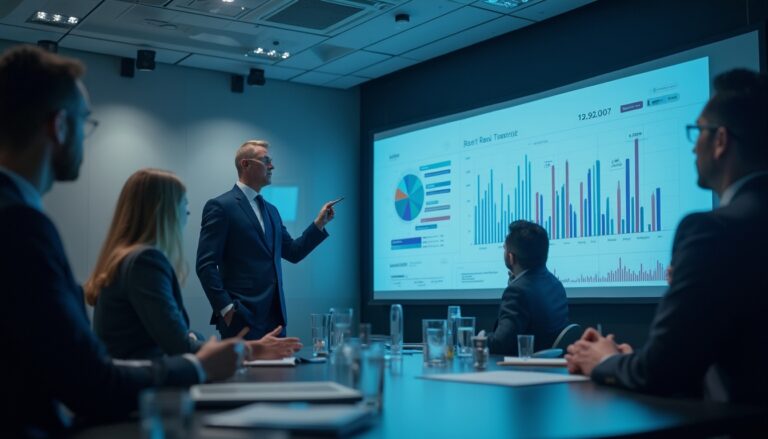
(139, 311)
(51, 359)
(242, 243)
(534, 302)
(708, 338)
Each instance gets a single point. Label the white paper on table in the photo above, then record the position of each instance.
(507, 378)
(287, 361)
(517, 361)
(290, 416)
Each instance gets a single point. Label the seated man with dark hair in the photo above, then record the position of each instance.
(534, 301)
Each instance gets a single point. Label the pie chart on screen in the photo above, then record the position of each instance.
(409, 197)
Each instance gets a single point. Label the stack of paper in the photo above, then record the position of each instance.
(517, 361)
(324, 419)
(288, 361)
(507, 378)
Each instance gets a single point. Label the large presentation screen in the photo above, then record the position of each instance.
(604, 166)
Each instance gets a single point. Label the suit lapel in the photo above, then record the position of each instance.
(245, 205)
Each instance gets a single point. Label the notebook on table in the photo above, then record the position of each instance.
(326, 419)
(240, 393)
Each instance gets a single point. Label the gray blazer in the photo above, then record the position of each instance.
(141, 313)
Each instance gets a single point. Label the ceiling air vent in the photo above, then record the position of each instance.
(322, 15)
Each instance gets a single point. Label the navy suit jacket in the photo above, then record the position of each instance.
(237, 263)
(709, 338)
(50, 355)
(533, 304)
(141, 314)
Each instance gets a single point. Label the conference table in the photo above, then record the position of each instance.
(421, 408)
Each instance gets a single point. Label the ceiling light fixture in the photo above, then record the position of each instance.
(508, 4)
(272, 54)
(61, 20)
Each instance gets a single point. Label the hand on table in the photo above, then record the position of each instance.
(221, 359)
(590, 350)
(272, 347)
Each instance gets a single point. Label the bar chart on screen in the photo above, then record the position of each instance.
(605, 170)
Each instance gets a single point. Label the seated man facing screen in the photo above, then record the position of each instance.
(708, 337)
(534, 301)
(139, 312)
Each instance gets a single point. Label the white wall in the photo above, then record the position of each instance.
(187, 121)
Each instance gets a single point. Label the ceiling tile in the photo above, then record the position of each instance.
(441, 27)
(118, 49)
(238, 67)
(385, 67)
(549, 8)
(346, 82)
(468, 37)
(315, 78)
(383, 26)
(352, 62)
(26, 35)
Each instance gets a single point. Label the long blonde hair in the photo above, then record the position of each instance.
(147, 213)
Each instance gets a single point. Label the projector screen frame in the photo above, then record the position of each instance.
(475, 108)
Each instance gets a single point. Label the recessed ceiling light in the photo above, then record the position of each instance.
(273, 54)
(61, 20)
(509, 4)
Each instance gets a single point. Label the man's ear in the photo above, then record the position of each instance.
(58, 126)
(723, 140)
(510, 257)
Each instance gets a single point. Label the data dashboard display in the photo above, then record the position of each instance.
(606, 169)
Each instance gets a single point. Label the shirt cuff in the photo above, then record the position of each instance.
(226, 309)
(602, 360)
(201, 375)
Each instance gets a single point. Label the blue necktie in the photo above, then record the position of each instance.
(265, 220)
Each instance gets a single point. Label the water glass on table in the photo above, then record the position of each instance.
(166, 413)
(524, 346)
(465, 330)
(320, 325)
(372, 375)
(341, 324)
(435, 336)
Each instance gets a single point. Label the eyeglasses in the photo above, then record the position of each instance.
(693, 131)
(90, 126)
(266, 160)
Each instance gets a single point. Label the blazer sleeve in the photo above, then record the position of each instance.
(689, 322)
(513, 315)
(149, 281)
(294, 250)
(57, 349)
(210, 254)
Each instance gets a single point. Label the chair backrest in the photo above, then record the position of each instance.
(567, 336)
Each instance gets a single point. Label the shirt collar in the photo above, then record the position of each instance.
(514, 279)
(29, 194)
(247, 190)
(734, 188)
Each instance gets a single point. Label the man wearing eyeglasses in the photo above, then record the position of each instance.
(242, 243)
(53, 364)
(708, 337)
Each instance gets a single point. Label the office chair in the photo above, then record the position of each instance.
(567, 336)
